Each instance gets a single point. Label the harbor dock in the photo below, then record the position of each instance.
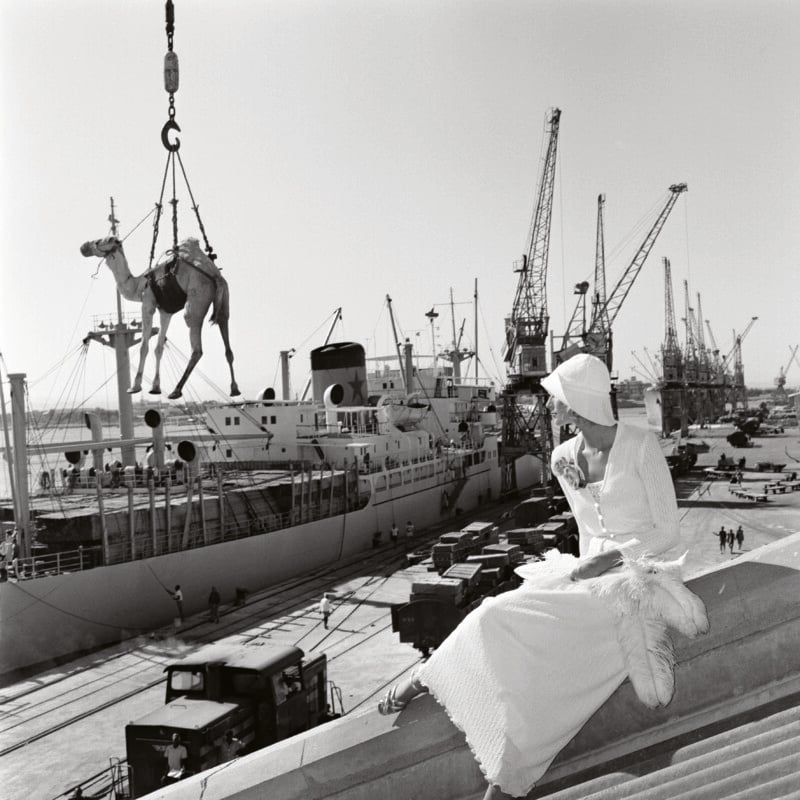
(74, 716)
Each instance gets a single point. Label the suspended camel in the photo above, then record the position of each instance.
(188, 280)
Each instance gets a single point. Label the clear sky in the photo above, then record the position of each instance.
(342, 151)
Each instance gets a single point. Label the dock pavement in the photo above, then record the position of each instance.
(364, 654)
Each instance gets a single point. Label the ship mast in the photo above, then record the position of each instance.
(121, 337)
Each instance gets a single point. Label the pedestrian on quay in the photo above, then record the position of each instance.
(739, 537)
(213, 604)
(409, 530)
(177, 596)
(723, 539)
(325, 609)
(394, 534)
(731, 539)
(488, 673)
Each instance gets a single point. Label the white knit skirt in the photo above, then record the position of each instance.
(522, 674)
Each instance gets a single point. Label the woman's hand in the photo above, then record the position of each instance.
(596, 565)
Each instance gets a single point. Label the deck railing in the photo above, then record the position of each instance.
(164, 542)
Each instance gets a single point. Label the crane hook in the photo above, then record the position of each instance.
(170, 125)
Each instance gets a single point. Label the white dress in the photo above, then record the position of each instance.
(524, 671)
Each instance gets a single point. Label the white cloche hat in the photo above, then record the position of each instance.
(584, 384)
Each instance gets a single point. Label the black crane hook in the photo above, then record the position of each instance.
(170, 125)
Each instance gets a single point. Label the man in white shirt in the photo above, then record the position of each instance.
(325, 610)
(176, 755)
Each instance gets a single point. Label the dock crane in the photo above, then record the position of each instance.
(578, 324)
(598, 339)
(690, 360)
(527, 327)
(526, 424)
(703, 355)
(716, 361)
(735, 388)
(671, 355)
(780, 382)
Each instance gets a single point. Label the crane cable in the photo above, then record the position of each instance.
(171, 84)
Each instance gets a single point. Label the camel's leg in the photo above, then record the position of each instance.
(148, 309)
(223, 329)
(164, 320)
(196, 342)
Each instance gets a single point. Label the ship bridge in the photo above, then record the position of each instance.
(731, 731)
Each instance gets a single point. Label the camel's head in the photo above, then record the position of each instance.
(101, 247)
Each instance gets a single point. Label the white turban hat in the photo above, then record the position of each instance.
(584, 384)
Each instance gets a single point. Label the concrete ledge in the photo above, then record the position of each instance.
(750, 656)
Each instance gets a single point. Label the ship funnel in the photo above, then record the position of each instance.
(152, 419)
(340, 363)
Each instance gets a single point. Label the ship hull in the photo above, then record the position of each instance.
(46, 620)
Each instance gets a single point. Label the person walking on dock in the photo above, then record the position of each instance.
(410, 530)
(731, 537)
(739, 537)
(325, 610)
(723, 539)
(394, 535)
(177, 596)
(213, 604)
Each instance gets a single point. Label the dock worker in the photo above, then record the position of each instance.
(230, 747)
(214, 600)
(739, 537)
(409, 529)
(177, 596)
(325, 610)
(176, 755)
(723, 539)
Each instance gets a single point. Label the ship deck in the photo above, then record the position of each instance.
(74, 715)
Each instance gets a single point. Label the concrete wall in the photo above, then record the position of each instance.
(750, 656)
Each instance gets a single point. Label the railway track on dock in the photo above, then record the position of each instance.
(286, 613)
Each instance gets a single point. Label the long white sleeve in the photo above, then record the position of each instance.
(634, 510)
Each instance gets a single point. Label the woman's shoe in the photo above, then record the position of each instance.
(390, 704)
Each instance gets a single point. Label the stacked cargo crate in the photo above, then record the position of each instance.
(438, 587)
(452, 548)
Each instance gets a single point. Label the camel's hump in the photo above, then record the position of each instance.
(189, 250)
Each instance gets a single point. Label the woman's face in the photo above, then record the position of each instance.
(561, 412)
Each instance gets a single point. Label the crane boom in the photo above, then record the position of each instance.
(737, 343)
(620, 291)
(527, 328)
(577, 326)
(598, 338)
(599, 301)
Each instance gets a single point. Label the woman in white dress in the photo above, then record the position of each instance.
(525, 670)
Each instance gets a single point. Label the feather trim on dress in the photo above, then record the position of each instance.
(646, 598)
